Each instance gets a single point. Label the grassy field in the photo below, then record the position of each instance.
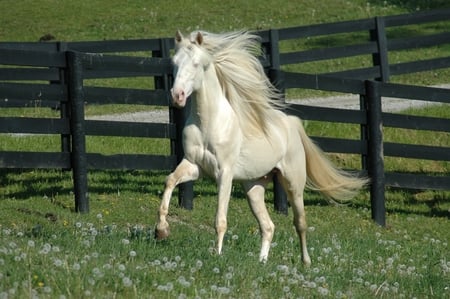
(48, 251)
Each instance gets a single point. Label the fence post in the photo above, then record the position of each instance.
(275, 76)
(375, 152)
(77, 130)
(63, 106)
(380, 58)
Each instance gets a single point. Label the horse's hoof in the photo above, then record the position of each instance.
(161, 234)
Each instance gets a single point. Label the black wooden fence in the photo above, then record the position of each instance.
(53, 75)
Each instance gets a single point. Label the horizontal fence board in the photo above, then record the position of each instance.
(30, 46)
(372, 72)
(418, 41)
(419, 66)
(44, 160)
(417, 181)
(326, 29)
(32, 58)
(339, 145)
(123, 65)
(115, 46)
(130, 129)
(138, 162)
(327, 114)
(36, 92)
(34, 125)
(18, 74)
(413, 151)
(328, 83)
(427, 16)
(327, 53)
(416, 122)
(109, 95)
(431, 94)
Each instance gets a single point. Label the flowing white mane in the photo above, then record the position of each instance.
(244, 83)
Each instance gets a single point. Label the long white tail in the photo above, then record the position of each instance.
(323, 176)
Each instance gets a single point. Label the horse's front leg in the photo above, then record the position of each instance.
(185, 171)
(224, 183)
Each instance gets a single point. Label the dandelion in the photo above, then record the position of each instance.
(323, 291)
(76, 267)
(45, 249)
(223, 290)
(198, 264)
(31, 243)
(228, 276)
(58, 263)
(127, 282)
(121, 267)
(133, 253)
(235, 237)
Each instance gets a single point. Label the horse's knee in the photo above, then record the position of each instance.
(267, 230)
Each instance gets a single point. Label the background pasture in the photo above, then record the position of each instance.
(46, 250)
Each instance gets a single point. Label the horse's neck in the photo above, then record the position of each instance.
(210, 105)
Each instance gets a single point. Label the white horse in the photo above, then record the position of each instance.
(236, 132)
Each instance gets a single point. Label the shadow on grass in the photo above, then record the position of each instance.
(27, 184)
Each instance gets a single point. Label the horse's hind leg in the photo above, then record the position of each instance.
(294, 189)
(255, 193)
(185, 171)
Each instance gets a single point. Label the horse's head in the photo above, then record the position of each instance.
(190, 62)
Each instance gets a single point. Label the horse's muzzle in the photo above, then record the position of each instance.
(178, 98)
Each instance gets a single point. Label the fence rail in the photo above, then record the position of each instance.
(54, 75)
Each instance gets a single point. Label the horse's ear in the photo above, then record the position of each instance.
(199, 38)
(178, 36)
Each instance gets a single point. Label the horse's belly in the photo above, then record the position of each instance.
(257, 159)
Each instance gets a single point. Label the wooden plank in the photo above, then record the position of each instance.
(361, 73)
(34, 160)
(326, 29)
(320, 82)
(32, 58)
(421, 17)
(131, 161)
(419, 66)
(111, 46)
(431, 94)
(129, 129)
(328, 53)
(30, 46)
(327, 114)
(41, 74)
(27, 92)
(34, 125)
(339, 145)
(413, 151)
(416, 122)
(143, 66)
(108, 95)
(417, 181)
(418, 41)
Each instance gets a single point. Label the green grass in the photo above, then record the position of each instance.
(48, 250)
